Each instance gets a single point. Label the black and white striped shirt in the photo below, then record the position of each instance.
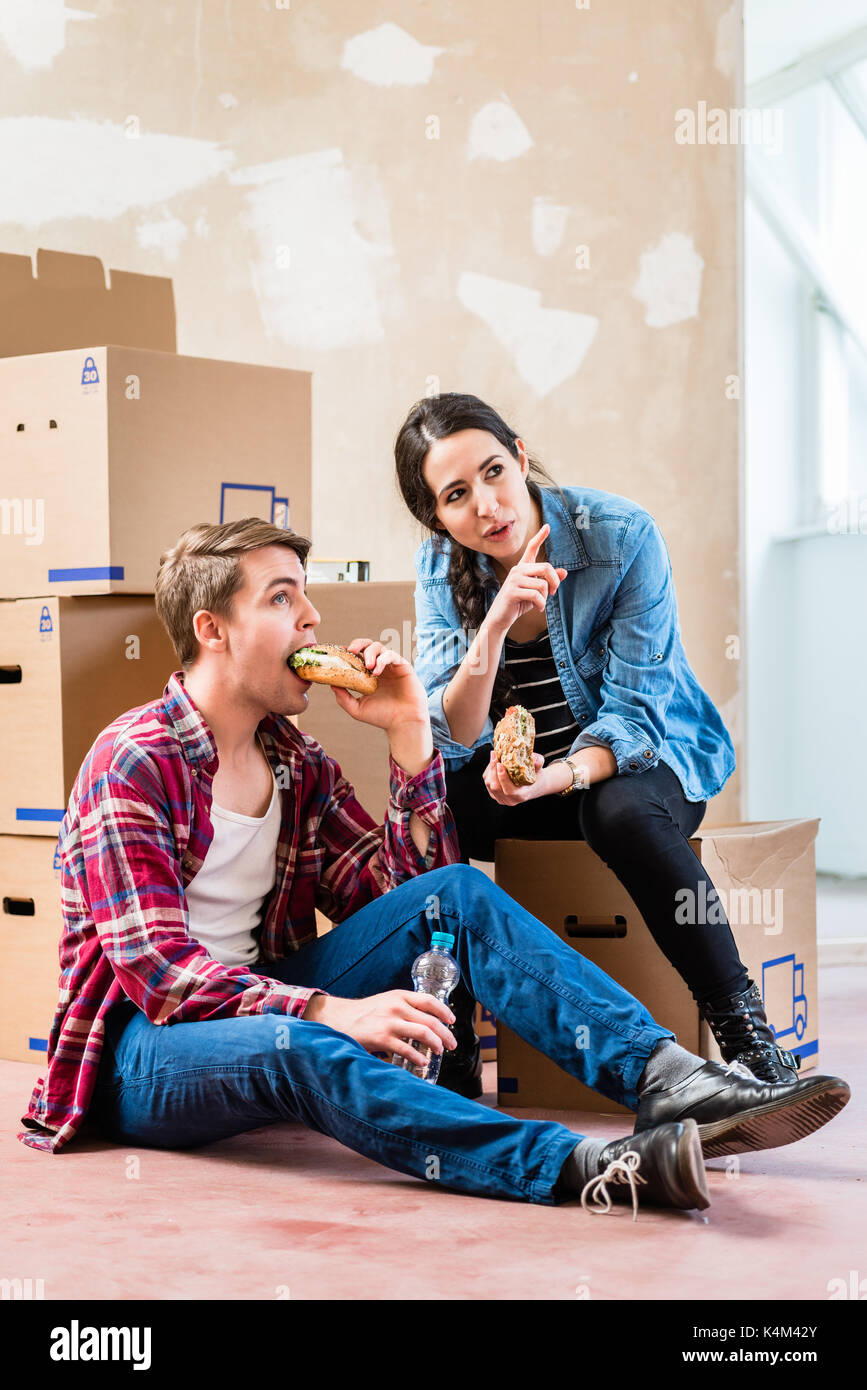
(532, 667)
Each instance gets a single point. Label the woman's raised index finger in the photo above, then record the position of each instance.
(535, 542)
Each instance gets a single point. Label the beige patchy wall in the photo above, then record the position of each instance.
(277, 163)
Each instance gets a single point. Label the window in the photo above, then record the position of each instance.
(812, 193)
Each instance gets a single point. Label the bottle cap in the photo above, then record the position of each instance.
(442, 938)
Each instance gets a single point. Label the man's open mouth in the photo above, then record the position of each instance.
(292, 662)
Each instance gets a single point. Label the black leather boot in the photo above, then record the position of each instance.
(736, 1113)
(740, 1025)
(461, 1069)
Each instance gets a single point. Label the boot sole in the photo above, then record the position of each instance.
(774, 1125)
(690, 1166)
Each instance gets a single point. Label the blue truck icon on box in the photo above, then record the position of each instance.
(786, 979)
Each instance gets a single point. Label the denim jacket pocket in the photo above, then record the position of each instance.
(596, 654)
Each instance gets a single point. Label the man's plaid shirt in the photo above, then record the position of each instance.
(136, 831)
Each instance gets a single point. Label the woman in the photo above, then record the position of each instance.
(629, 748)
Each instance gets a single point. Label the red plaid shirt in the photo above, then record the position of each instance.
(136, 831)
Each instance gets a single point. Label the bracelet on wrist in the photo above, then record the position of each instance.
(576, 779)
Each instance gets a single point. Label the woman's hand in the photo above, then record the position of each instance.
(503, 790)
(528, 585)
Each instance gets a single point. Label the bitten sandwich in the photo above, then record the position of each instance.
(333, 665)
(514, 737)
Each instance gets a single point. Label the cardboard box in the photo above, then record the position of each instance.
(68, 303)
(68, 667)
(30, 930)
(323, 925)
(384, 612)
(768, 872)
(109, 453)
(764, 873)
(486, 1028)
(337, 571)
(31, 926)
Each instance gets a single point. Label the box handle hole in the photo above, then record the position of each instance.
(595, 926)
(10, 675)
(19, 907)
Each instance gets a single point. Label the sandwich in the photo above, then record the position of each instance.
(513, 745)
(332, 665)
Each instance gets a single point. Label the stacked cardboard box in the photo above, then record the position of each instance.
(385, 613)
(111, 444)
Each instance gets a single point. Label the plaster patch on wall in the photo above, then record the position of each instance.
(729, 38)
(35, 32)
(388, 56)
(165, 235)
(548, 225)
(730, 713)
(546, 345)
(497, 132)
(669, 281)
(56, 169)
(315, 45)
(317, 275)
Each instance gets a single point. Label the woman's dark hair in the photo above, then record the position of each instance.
(437, 417)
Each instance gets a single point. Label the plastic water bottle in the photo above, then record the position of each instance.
(434, 972)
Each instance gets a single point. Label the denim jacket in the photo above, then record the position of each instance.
(615, 637)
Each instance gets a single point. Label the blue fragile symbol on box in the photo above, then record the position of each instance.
(45, 623)
(89, 373)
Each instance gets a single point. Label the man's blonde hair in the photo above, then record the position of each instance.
(203, 570)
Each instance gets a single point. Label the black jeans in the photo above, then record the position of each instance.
(638, 826)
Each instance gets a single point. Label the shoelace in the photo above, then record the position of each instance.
(622, 1169)
(739, 1069)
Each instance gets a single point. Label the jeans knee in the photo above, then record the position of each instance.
(456, 880)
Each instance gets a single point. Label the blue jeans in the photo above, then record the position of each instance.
(185, 1084)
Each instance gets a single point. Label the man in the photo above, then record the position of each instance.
(197, 1002)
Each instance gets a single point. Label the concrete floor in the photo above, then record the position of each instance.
(284, 1212)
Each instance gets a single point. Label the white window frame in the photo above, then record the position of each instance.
(822, 294)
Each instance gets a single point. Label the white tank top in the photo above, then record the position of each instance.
(225, 898)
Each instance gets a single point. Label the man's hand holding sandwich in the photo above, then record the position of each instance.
(393, 700)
